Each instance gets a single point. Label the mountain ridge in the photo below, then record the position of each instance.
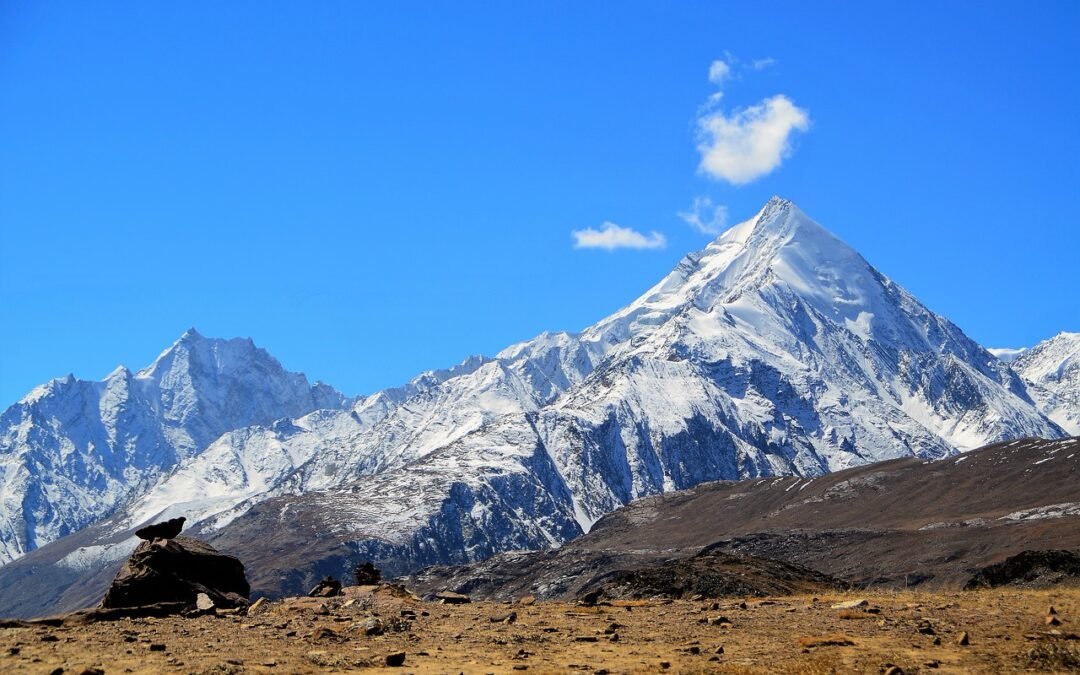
(775, 350)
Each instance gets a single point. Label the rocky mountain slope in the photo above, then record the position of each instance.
(1051, 370)
(72, 451)
(901, 523)
(777, 350)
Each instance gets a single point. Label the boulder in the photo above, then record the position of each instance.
(327, 588)
(177, 571)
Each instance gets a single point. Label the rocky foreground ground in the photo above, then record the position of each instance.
(991, 631)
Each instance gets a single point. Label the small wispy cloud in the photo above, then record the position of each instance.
(745, 144)
(705, 216)
(762, 64)
(612, 237)
(719, 71)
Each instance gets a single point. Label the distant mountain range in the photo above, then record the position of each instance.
(777, 350)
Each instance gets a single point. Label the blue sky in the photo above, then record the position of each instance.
(374, 189)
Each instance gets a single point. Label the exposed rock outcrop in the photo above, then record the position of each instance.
(1031, 569)
(177, 571)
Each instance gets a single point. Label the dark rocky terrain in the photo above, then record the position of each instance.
(901, 523)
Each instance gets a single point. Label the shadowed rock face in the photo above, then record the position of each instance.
(1031, 569)
(177, 571)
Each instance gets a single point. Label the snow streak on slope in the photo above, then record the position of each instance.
(72, 451)
(1052, 371)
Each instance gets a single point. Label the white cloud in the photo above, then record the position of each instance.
(612, 237)
(749, 143)
(719, 71)
(705, 216)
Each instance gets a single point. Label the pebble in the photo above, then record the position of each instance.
(396, 659)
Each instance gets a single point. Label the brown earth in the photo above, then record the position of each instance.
(898, 524)
(1007, 631)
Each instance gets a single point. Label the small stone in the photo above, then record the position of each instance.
(851, 604)
(694, 650)
(585, 638)
(56, 671)
(613, 627)
(964, 640)
(49, 638)
(718, 621)
(13, 651)
(926, 628)
(396, 659)
(256, 606)
(719, 650)
(157, 647)
(1052, 620)
(527, 600)
(203, 602)
(665, 665)
(937, 641)
(449, 598)
(894, 670)
(1051, 611)
(590, 598)
(521, 666)
(614, 637)
(373, 626)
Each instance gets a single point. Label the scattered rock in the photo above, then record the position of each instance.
(49, 638)
(851, 604)
(590, 598)
(527, 600)
(827, 641)
(256, 606)
(964, 639)
(203, 602)
(450, 598)
(504, 618)
(1052, 620)
(396, 659)
(585, 638)
(323, 634)
(894, 670)
(374, 626)
(327, 588)
(157, 647)
(91, 671)
(718, 621)
(367, 574)
(926, 628)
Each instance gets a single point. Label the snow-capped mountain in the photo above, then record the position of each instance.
(776, 350)
(72, 451)
(1051, 370)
